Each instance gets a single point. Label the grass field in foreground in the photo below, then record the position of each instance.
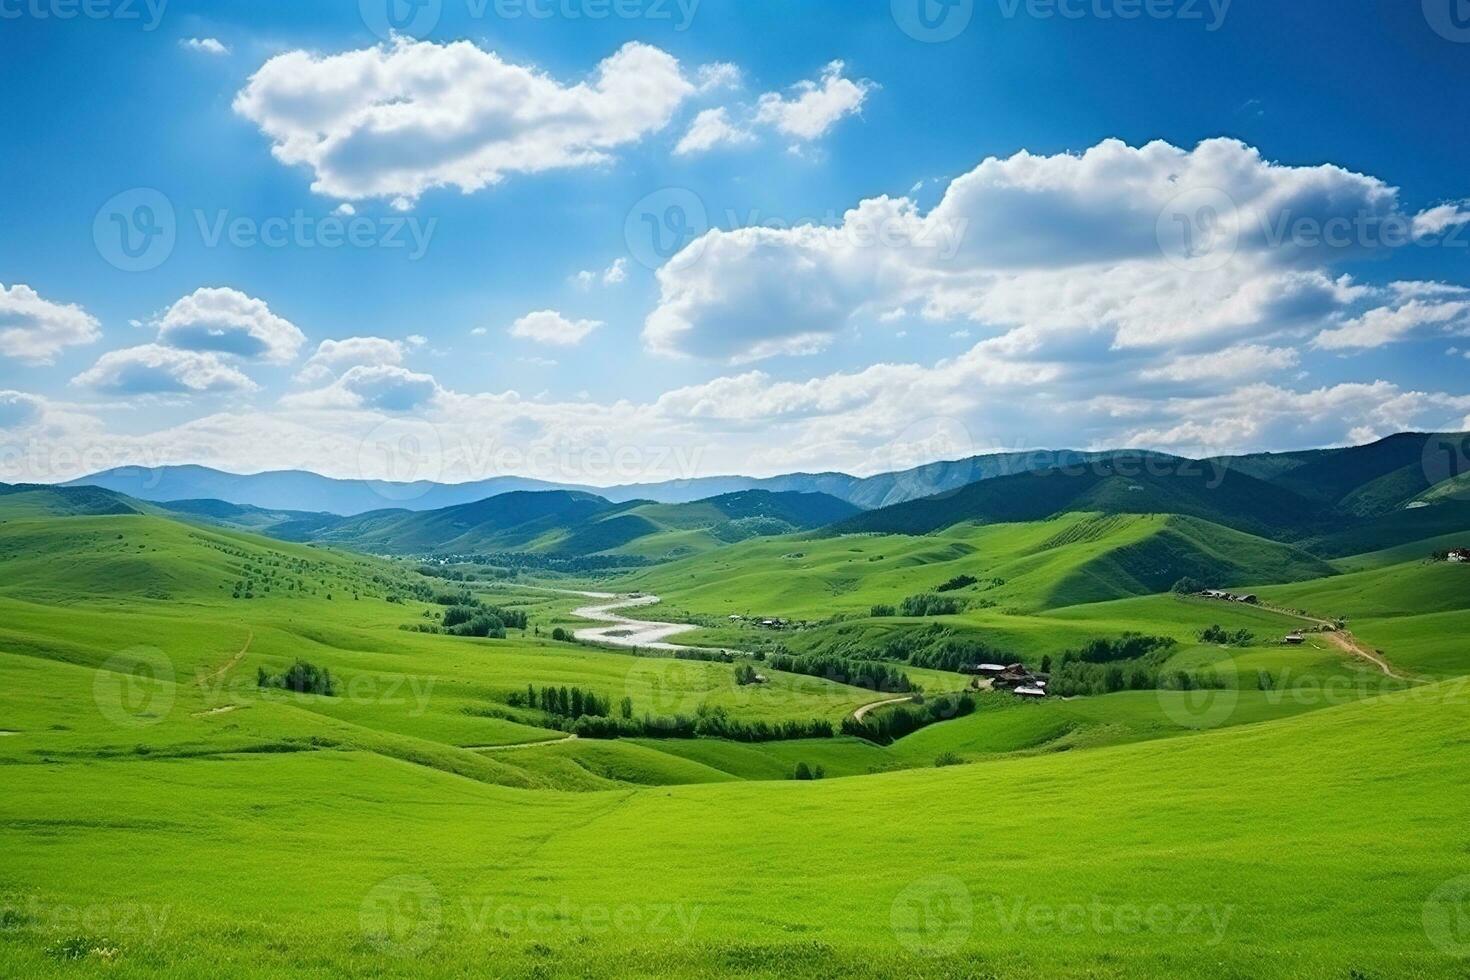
(1235, 853)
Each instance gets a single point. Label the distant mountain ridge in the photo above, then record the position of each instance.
(299, 490)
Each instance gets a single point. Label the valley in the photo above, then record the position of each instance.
(1247, 734)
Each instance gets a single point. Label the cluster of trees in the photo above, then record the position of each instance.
(1130, 646)
(301, 677)
(1219, 634)
(857, 673)
(884, 726)
(882, 611)
(958, 582)
(516, 561)
(929, 604)
(932, 646)
(1078, 678)
(804, 772)
(474, 618)
(706, 723)
(566, 702)
(745, 675)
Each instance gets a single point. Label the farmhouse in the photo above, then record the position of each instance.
(1249, 597)
(984, 670)
(1460, 555)
(1294, 639)
(1029, 692)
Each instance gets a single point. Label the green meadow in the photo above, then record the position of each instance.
(167, 809)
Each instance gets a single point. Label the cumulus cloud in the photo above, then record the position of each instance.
(712, 128)
(396, 120)
(156, 370)
(1073, 254)
(205, 45)
(35, 330)
(550, 327)
(382, 387)
(226, 321)
(18, 410)
(718, 75)
(613, 275)
(814, 107)
(1438, 220)
(333, 356)
(1386, 324)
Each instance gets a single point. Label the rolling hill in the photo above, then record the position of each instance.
(573, 524)
(1119, 484)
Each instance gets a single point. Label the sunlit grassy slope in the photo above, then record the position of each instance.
(162, 815)
(1312, 847)
(1075, 558)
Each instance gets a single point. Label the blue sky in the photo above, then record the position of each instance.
(1188, 225)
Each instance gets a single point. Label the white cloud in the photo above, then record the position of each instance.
(156, 370)
(396, 120)
(814, 107)
(712, 128)
(718, 75)
(205, 45)
(616, 273)
(333, 356)
(1439, 219)
(550, 327)
(1386, 324)
(35, 330)
(380, 387)
(613, 275)
(1065, 251)
(1230, 364)
(226, 321)
(19, 410)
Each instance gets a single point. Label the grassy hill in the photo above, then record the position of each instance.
(570, 524)
(1118, 485)
(1070, 559)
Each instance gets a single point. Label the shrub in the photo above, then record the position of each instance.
(958, 582)
(947, 759)
(301, 677)
(881, 611)
(929, 604)
(561, 635)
